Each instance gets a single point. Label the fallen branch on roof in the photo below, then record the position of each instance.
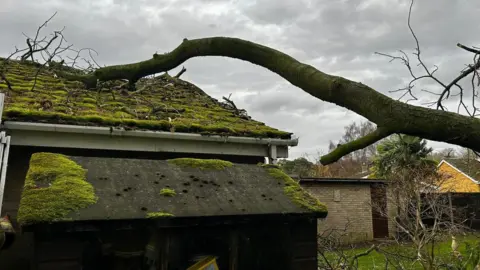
(7, 82)
(166, 110)
(181, 72)
(230, 105)
(392, 115)
(230, 102)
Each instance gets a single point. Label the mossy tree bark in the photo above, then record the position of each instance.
(391, 116)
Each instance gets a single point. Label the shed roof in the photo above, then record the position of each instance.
(161, 103)
(137, 188)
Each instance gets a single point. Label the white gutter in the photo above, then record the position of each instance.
(115, 132)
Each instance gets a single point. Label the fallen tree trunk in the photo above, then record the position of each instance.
(391, 116)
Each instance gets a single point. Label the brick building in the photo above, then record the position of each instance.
(349, 203)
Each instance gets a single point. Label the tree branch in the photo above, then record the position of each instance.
(446, 87)
(360, 143)
(181, 72)
(472, 50)
(391, 115)
(362, 254)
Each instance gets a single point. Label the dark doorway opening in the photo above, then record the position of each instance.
(379, 210)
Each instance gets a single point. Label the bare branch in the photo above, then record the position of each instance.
(181, 72)
(429, 74)
(230, 102)
(342, 150)
(455, 81)
(472, 50)
(362, 254)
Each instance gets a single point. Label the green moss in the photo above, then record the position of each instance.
(159, 215)
(204, 164)
(89, 100)
(168, 192)
(54, 187)
(198, 113)
(296, 193)
(274, 166)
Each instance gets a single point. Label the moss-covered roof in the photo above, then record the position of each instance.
(54, 187)
(164, 103)
(142, 189)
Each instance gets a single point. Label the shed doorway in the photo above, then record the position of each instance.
(379, 210)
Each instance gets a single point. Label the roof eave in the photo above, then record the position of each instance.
(342, 180)
(34, 134)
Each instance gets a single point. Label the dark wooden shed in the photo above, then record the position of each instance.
(120, 213)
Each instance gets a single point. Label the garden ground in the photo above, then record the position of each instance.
(392, 253)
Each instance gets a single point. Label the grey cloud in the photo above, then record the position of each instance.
(274, 11)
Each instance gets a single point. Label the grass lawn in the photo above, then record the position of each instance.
(403, 254)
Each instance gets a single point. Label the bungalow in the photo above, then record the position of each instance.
(157, 178)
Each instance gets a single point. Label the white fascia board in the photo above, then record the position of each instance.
(86, 137)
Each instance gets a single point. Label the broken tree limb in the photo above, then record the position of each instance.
(390, 114)
(472, 50)
(360, 143)
(230, 102)
(181, 72)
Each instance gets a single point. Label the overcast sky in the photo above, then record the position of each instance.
(337, 37)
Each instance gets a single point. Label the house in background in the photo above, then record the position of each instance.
(354, 206)
(164, 175)
(459, 175)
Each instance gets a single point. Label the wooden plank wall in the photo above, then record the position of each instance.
(304, 244)
(17, 170)
(18, 256)
(59, 255)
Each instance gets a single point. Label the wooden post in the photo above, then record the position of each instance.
(233, 250)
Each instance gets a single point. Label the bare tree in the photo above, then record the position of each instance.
(444, 153)
(420, 210)
(50, 51)
(334, 253)
(358, 161)
(448, 89)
